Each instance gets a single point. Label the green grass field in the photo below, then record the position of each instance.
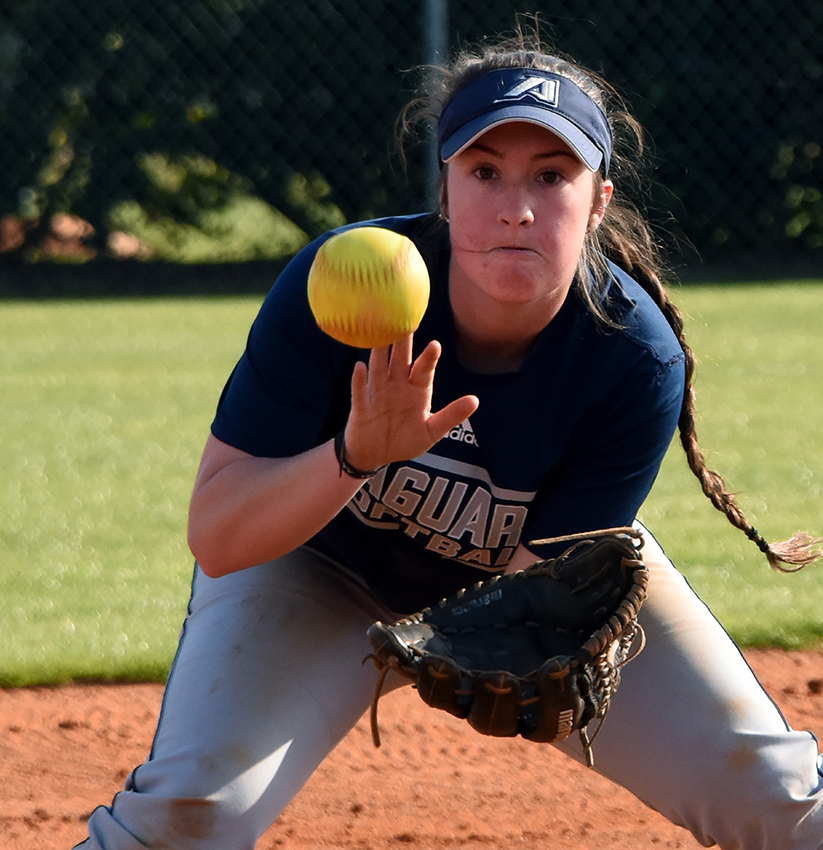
(107, 404)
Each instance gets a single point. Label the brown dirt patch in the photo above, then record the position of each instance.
(434, 783)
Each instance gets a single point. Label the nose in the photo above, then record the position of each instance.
(516, 211)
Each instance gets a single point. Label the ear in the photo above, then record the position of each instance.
(601, 201)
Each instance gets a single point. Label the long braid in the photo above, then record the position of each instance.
(626, 238)
(800, 549)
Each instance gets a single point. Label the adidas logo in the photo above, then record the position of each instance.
(463, 433)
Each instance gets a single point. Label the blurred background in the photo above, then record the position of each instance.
(152, 147)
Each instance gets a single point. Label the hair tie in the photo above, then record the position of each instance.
(756, 537)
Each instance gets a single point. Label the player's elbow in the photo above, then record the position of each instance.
(220, 550)
(212, 553)
(213, 569)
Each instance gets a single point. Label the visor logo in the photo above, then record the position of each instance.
(539, 88)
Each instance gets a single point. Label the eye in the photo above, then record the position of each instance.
(485, 172)
(549, 177)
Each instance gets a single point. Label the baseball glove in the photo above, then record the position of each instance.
(535, 653)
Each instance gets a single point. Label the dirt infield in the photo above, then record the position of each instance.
(432, 784)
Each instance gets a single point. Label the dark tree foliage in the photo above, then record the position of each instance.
(295, 102)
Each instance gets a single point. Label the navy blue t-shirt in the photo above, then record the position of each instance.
(570, 442)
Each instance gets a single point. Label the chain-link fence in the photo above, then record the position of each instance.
(204, 130)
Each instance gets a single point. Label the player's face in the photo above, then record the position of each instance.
(519, 204)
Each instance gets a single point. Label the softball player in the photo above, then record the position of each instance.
(537, 398)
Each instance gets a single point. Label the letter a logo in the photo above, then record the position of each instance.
(546, 91)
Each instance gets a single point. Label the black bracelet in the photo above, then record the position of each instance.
(345, 466)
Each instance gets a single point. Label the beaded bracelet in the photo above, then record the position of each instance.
(345, 466)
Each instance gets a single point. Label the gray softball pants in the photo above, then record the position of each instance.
(268, 679)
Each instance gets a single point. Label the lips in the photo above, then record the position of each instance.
(513, 249)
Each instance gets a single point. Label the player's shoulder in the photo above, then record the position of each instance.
(424, 229)
(639, 319)
(429, 233)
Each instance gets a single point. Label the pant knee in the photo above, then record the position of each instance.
(138, 820)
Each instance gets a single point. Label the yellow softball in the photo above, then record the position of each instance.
(368, 287)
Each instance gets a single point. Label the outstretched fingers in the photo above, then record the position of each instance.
(441, 422)
(421, 373)
(391, 417)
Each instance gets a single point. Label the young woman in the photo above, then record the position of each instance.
(537, 398)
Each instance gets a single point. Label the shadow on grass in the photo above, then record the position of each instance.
(134, 279)
(109, 278)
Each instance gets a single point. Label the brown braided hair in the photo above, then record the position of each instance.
(625, 237)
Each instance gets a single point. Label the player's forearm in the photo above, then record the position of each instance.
(254, 510)
(521, 559)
